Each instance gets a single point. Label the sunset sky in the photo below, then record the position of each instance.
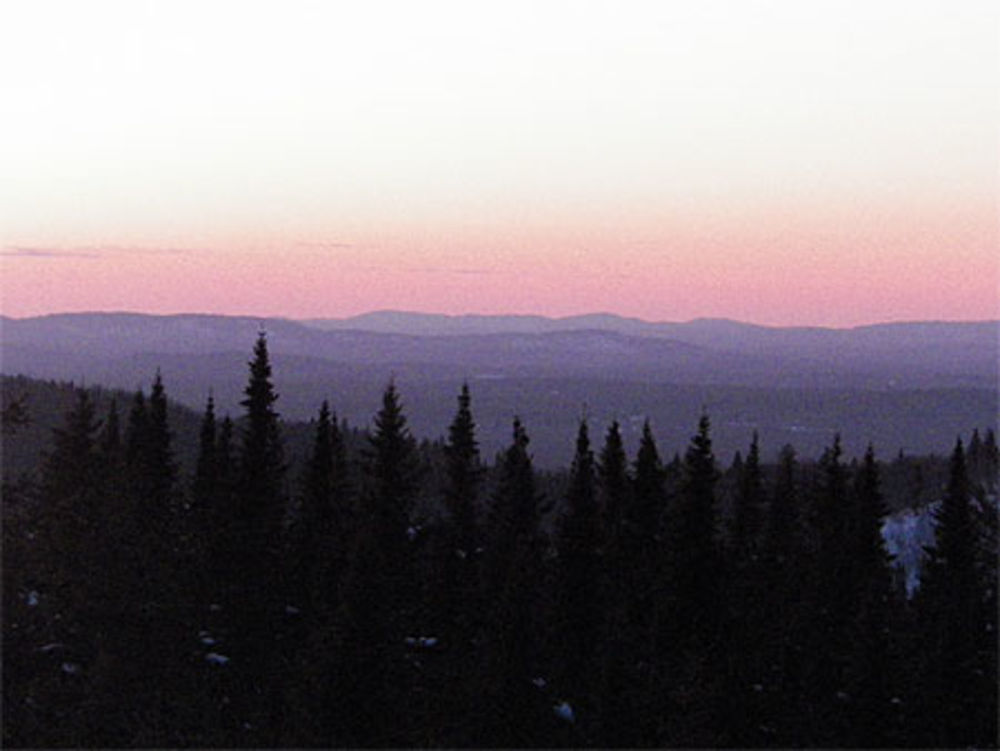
(782, 162)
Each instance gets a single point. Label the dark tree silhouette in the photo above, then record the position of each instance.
(512, 710)
(379, 594)
(952, 602)
(869, 680)
(579, 589)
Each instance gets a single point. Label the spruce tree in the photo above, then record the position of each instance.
(318, 550)
(160, 460)
(747, 522)
(261, 458)
(784, 641)
(253, 590)
(512, 710)
(579, 584)
(830, 606)
(870, 662)
(321, 537)
(747, 617)
(378, 599)
(632, 691)
(952, 609)
(81, 580)
(110, 437)
(613, 487)
(695, 558)
(454, 602)
(692, 650)
(136, 433)
(464, 475)
(644, 515)
(206, 471)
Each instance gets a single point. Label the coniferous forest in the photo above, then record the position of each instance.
(385, 592)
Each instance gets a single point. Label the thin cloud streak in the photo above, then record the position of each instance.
(17, 251)
(326, 245)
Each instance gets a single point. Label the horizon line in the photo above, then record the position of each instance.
(478, 315)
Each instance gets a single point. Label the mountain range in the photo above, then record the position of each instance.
(902, 385)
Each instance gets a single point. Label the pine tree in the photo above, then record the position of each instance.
(464, 475)
(613, 486)
(318, 549)
(453, 598)
(226, 469)
(321, 538)
(110, 438)
(622, 640)
(644, 516)
(829, 608)
(748, 514)
(206, 472)
(391, 471)
(379, 598)
(160, 461)
(249, 563)
(72, 516)
(695, 559)
(633, 685)
(136, 433)
(870, 663)
(784, 641)
(512, 710)
(580, 583)
(81, 581)
(692, 650)
(952, 608)
(261, 459)
(747, 617)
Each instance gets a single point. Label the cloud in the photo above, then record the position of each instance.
(327, 245)
(22, 251)
(459, 271)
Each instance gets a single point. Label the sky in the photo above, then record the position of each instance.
(774, 161)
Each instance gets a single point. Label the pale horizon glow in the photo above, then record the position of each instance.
(777, 162)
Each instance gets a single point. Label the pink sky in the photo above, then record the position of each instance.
(780, 162)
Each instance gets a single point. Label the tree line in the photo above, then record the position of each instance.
(404, 596)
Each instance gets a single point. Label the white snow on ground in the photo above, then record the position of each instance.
(564, 711)
(424, 642)
(905, 534)
(216, 659)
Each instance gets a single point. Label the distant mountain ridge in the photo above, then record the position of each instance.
(601, 344)
(901, 385)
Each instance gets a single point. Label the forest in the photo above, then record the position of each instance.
(381, 591)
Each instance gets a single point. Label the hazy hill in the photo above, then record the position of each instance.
(911, 386)
(964, 351)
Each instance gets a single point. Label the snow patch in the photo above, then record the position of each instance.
(905, 534)
(564, 711)
(216, 659)
(421, 642)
